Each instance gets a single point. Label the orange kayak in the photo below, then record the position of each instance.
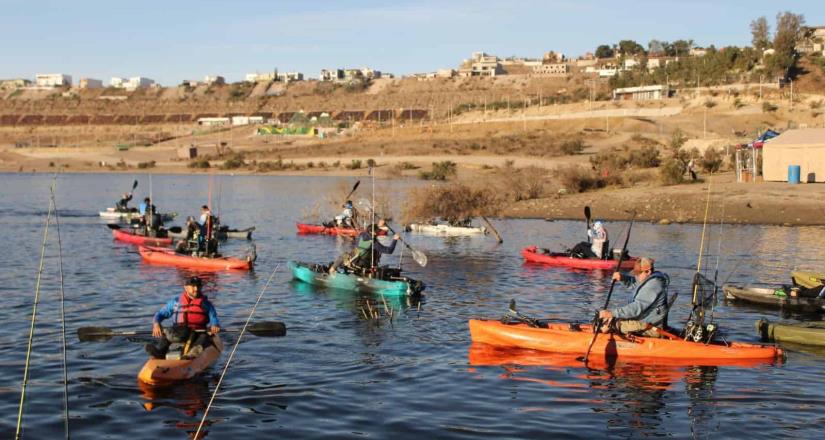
(169, 257)
(131, 237)
(306, 229)
(168, 371)
(559, 338)
(532, 255)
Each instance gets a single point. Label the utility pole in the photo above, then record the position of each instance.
(760, 87)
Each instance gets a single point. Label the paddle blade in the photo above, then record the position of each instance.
(175, 229)
(267, 329)
(419, 257)
(112, 226)
(587, 213)
(512, 306)
(134, 185)
(94, 334)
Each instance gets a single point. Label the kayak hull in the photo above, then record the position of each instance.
(446, 230)
(768, 297)
(401, 287)
(130, 237)
(812, 333)
(559, 338)
(167, 371)
(112, 214)
(532, 255)
(808, 279)
(308, 229)
(169, 257)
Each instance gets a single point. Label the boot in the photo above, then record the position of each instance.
(154, 352)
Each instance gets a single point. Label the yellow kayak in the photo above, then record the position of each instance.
(168, 371)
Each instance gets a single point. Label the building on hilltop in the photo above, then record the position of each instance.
(290, 76)
(262, 77)
(552, 57)
(812, 40)
(133, 83)
(16, 83)
(481, 64)
(331, 75)
(90, 83)
(349, 75)
(53, 80)
(214, 79)
(643, 93)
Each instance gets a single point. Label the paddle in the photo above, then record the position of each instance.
(134, 185)
(418, 256)
(587, 217)
(354, 187)
(596, 321)
(102, 334)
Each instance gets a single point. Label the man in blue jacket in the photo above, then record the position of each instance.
(193, 315)
(649, 307)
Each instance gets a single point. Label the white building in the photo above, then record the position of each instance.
(558, 69)
(214, 79)
(90, 83)
(213, 122)
(246, 120)
(643, 93)
(290, 76)
(135, 82)
(53, 80)
(262, 77)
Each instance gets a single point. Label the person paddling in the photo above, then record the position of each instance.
(649, 307)
(193, 315)
(122, 205)
(347, 217)
(597, 244)
(206, 240)
(368, 250)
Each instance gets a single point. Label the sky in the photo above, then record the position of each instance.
(174, 40)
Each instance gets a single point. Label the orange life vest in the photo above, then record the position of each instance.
(191, 312)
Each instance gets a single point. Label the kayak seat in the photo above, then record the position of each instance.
(670, 302)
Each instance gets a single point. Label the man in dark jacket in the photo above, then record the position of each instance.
(368, 250)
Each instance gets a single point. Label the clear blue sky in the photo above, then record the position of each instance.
(181, 39)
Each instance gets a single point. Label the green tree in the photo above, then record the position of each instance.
(630, 47)
(604, 51)
(656, 47)
(760, 34)
(788, 28)
(680, 48)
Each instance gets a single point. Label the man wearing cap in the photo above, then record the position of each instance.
(347, 217)
(368, 250)
(649, 307)
(193, 314)
(596, 244)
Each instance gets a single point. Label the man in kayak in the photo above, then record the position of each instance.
(190, 240)
(193, 315)
(144, 206)
(368, 250)
(206, 238)
(649, 307)
(122, 204)
(347, 217)
(597, 245)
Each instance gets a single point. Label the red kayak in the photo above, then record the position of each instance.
(532, 255)
(169, 257)
(304, 228)
(131, 237)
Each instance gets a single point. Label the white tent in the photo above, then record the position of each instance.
(804, 147)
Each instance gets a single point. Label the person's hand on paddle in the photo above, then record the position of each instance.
(396, 237)
(617, 276)
(214, 329)
(605, 315)
(156, 330)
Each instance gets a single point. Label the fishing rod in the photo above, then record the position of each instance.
(62, 317)
(34, 316)
(695, 327)
(232, 354)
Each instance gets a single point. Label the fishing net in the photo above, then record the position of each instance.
(700, 326)
(704, 292)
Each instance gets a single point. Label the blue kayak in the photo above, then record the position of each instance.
(389, 282)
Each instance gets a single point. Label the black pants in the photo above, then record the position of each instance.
(181, 334)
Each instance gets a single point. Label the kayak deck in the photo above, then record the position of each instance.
(560, 338)
(531, 254)
(131, 237)
(315, 274)
(168, 371)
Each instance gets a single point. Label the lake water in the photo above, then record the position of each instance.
(338, 375)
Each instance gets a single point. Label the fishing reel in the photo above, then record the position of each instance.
(699, 332)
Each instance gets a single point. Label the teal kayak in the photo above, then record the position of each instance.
(393, 283)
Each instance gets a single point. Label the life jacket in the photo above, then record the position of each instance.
(191, 312)
(361, 254)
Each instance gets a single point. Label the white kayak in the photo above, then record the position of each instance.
(445, 229)
(113, 214)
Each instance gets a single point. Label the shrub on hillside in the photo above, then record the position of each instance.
(235, 161)
(575, 178)
(526, 183)
(672, 172)
(573, 146)
(200, 162)
(767, 107)
(711, 161)
(144, 165)
(440, 171)
(354, 165)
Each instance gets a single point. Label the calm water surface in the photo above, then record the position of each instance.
(337, 375)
